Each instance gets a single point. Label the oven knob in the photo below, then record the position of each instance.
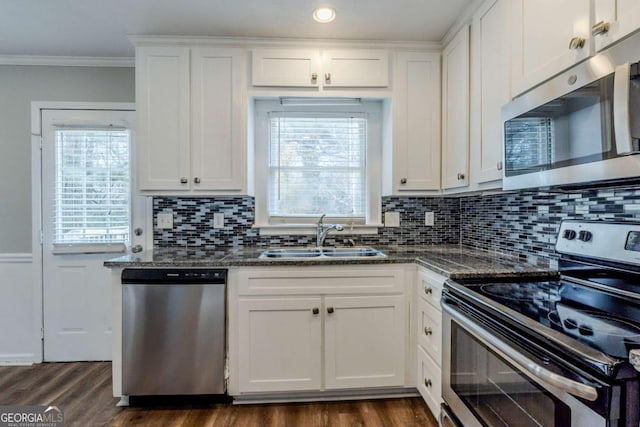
(634, 358)
(569, 234)
(585, 330)
(585, 236)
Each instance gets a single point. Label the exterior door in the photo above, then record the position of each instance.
(88, 216)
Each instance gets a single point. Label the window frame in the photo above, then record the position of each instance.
(372, 109)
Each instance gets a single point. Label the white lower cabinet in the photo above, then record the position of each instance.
(362, 337)
(429, 348)
(315, 329)
(280, 344)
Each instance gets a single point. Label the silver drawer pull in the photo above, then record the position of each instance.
(576, 43)
(428, 331)
(428, 291)
(427, 382)
(315, 311)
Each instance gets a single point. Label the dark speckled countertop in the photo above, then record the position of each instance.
(454, 261)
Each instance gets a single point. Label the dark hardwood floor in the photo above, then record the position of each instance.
(84, 391)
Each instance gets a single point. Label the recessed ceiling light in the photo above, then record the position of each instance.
(324, 14)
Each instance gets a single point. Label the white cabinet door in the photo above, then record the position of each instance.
(355, 68)
(364, 341)
(416, 122)
(455, 111)
(490, 88)
(217, 135)
(286, 67)
(622, 17)
(279, 344)
(162, 104)
(542, 32)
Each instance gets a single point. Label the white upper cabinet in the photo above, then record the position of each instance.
(321, 69)
(416, 122)
(549, 36)
(614, 19)
(455, 111)
(190, 106)
(162, 104)
(217, 111)
(490, 88)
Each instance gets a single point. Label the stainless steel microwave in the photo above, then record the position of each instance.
(581, 126)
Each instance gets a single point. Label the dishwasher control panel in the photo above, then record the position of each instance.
(173, 275)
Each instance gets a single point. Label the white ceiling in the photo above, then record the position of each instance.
(99, 28)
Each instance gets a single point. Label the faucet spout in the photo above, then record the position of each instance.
(322, 230)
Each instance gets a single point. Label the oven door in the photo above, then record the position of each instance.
(487, 382)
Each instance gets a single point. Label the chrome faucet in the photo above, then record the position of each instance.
(322, 230)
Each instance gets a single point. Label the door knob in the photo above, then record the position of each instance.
(403, 180)
(600, 28)
(460, 176)
(327, 77)
(330, 310)
(183, 180)
(138, 231)
(137, 248)
(577, 43)
(196, 180)
(314, 77)
(315, 311)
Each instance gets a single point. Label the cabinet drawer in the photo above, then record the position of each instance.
(429, 382)
(430, 330)
(320, 281)
(430, 287)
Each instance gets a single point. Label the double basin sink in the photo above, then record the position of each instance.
(322, 253)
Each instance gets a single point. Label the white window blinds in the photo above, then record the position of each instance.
(92, 186)
(317, 165)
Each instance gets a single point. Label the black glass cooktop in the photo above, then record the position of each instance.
(604, 321)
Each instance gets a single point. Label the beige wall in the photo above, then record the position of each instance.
(19, 86)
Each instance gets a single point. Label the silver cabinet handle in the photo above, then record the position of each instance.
(427, 382)
(137, 248)
(196, 180)
(428, 331)
(315, 311)
(138, 231)
(577, 43)
(327, 77)
(575, 388)
(183, 180)
(428, 291)
(403, 180)
(314, 77)
(460, 176)
(330, 310)
(600, 28)
(499, 166)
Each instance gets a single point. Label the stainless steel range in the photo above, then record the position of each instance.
(535, 352)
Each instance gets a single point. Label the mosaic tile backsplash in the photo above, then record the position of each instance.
(526, 223)
(193, 224)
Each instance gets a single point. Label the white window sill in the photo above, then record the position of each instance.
(88, 248)
(310, 229)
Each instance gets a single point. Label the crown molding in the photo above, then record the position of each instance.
(67, 61)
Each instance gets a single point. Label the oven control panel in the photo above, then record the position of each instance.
(612, 241)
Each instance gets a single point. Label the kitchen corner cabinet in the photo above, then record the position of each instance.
(548, 37)
(315, 329)
(455, 111)
(416, 122)
(312, 68)
(490, 88)
(614, 20)
(190, 119)
(429, 348)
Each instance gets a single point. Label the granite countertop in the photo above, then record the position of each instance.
(454, 261)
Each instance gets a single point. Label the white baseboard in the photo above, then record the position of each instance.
(17, 359)
(16, 258)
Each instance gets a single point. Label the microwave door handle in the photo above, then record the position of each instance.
(621, 125)
(565, 384)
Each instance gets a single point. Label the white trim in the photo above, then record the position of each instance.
(250, 42)
(15, 258)
(68, 61)
(463, 19)
(36, 193)
(17, 359)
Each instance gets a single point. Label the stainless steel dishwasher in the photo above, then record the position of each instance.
(173, 331)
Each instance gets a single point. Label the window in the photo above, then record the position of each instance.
(92, 193)
(317, 159)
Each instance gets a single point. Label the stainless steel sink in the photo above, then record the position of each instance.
(322, 253)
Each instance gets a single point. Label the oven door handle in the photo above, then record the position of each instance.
(568, 385)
